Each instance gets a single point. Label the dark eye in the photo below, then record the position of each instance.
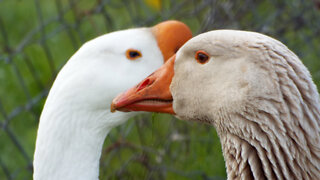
(133, 54)
(202, 57)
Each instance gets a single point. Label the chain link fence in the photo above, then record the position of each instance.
(37, 37)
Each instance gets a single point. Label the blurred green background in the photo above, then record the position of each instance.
(37, 38)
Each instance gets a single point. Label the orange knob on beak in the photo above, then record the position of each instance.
(171, 35)
(152, 94)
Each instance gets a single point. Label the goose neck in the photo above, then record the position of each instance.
(67, 147)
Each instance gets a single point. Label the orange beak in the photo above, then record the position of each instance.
(152, 94)
(171, 35)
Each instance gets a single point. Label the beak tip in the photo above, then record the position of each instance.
(113, 107)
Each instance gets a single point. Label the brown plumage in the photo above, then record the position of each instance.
(257, 94)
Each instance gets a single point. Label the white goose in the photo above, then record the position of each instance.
(254, 90)
(76, 119)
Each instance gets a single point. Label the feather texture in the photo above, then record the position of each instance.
(261, 99)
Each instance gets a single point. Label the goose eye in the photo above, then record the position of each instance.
(133, 54)
(202, 57)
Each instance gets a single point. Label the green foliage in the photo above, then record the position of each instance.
(37, 37)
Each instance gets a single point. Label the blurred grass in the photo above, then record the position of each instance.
(170, 147)
(37, 37)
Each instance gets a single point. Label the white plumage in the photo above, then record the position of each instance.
(76, 119)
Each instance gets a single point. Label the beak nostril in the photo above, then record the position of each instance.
(144, 84)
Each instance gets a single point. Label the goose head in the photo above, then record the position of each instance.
(253, 89)
(111, 63)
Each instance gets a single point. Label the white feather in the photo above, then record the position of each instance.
(76, 117)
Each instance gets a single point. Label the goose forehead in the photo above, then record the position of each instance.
(233, 36)
(119, 40)
(226, 38)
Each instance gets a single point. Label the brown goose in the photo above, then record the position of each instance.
(253, 89)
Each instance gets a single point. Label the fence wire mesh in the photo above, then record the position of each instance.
(37, 38)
